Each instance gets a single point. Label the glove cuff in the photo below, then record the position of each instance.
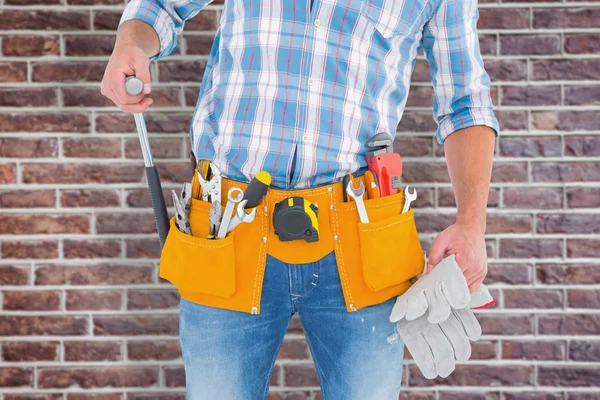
(481, 298)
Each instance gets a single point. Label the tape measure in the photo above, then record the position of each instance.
(295, 218)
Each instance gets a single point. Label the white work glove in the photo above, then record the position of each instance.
(443, 288)
(437, 347)
(441, 338)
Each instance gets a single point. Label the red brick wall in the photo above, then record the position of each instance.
(82, 310)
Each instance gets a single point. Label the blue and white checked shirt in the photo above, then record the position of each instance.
(297, 87)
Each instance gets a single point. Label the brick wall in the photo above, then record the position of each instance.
(83, 314)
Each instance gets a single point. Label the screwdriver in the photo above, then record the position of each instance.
(257, 188)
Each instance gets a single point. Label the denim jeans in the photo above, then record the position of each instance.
(229, 355)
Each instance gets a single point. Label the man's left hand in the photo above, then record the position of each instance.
(467, 243)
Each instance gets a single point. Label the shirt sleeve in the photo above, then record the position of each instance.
(462, 86)
(167, 17)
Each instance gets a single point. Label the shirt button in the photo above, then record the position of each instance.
(305, 138)
(317, 22)
(311, 82)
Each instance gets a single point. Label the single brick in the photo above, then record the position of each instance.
(152, 299)
(30, 351)
(503, 18)
(528, 298)
(532, 197)
(28, 148)
(82, 173)
(89, 198)
(570, 324)
(167, 324)
(89, 71)
(13, 325)
(162, 350)
(72, 122)
(530, 248)
(31, 300)
(568, 274)
(30, 46)
(38, 249)
(566, 18)
(93, 300)
(581, 298)
(45, 20)
(13, 71)
(14, 275)
(569, 376)
(28, 97)
(89, 45)
(97, 377)
(174, 377)
(582, 43)
(92, 351)
(533, 350)
(92, 147)
(529, 44)
(530, 96)
(584, 350)
(501, 324)
(478, 375)
(96, 248)
(102, 274)
(42, 223)
(15, 377)
(566, 69)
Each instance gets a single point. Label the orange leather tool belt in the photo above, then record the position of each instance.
(375, 260)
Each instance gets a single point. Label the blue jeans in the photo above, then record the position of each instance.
(229, 355)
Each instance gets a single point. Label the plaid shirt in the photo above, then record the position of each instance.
(297, 87)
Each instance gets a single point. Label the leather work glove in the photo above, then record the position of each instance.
(437, 347)
(440, 339)
(439, 291)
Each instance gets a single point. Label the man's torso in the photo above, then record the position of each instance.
(302, 85)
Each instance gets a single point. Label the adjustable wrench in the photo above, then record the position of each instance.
(241, 215)
(408, 198)
(357, 195)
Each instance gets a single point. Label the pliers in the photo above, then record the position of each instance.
(211, 187)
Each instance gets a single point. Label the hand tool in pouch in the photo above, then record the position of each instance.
(181, 216)
(214, 219)
(211, 187)
(345, 181)
(257, 188)
(234, 196)
(255, 191)
(134, 86)
(371, 185)
(384, 163)
(296, 218)
(241, 215)
(357, 195)
(408, 198)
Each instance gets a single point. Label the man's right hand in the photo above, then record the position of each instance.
(127, 60)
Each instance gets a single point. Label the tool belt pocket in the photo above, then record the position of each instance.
(390, 251)
(197, 264)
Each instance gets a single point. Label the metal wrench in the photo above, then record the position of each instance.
(241, 215)
(408, 198)
(357, 195)
(234, 196)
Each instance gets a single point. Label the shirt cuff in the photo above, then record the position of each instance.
(465, 118)
(152, 14)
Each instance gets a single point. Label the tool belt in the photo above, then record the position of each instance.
(376, 260)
